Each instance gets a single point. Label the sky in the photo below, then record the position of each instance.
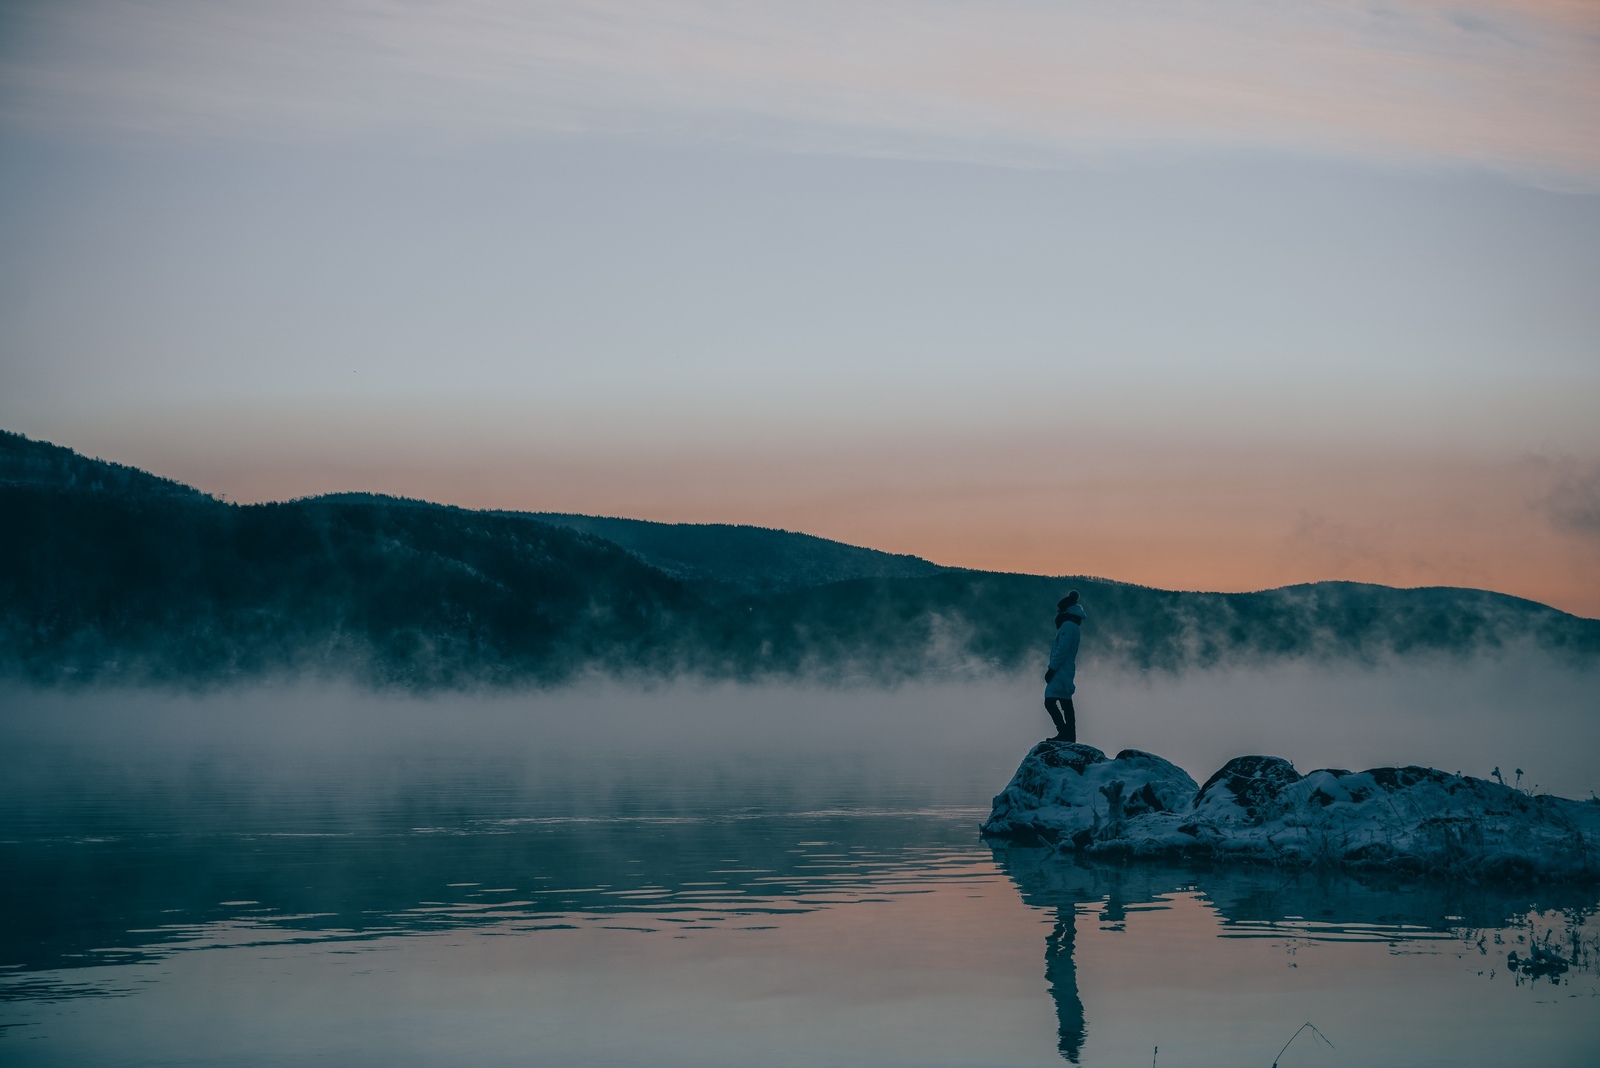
(1221, 295)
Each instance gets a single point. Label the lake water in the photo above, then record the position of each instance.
(449, 896)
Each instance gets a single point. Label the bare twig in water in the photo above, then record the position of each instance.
(1153, 1053)
(1296, 1035)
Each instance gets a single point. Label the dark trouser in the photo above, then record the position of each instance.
(1064, 716)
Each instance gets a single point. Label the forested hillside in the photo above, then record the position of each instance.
(722, 561)
(111, 574)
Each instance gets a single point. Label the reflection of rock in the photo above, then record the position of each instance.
(1305, 904)
(1541, 962)
(1046, 880)
(1253, 895)
(1258, 808)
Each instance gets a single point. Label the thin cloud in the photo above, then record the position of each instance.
(1500, 83)
(1573, 500)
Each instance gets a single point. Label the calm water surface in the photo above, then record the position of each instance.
(444, 907)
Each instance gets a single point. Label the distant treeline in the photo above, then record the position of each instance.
(111, 574)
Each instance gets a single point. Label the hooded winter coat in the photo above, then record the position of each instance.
(1064, 656)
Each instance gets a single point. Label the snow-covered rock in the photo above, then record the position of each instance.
(1259, 808)
(1066, 792)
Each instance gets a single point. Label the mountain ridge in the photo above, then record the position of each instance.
(728, 560)
(112, 574)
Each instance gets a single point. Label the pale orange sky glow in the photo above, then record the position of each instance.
(1177, 515)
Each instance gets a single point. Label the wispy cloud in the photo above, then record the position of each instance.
(1572, 499)
(1509, 84)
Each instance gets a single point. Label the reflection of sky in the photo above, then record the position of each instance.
(1224, 295)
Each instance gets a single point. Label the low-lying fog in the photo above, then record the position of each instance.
(948, 743)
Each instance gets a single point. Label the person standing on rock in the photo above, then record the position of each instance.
(1059, 685)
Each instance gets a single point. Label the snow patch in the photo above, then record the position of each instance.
(1260, 809)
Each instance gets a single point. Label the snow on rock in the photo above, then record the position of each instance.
(1259, 808)
(1069, 792)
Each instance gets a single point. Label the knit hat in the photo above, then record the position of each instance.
(1069, 606)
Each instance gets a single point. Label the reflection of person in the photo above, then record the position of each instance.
(1059, 675)
(1062, 975)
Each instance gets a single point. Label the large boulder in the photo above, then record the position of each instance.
(1260, 809)
(1413, 819)
(1066, 793)
(1245, 790)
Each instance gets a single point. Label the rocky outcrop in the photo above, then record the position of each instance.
(1260, 809)
(1066, 792)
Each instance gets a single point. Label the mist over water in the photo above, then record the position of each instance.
(953, 742)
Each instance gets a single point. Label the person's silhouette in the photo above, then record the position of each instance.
(1059, 675)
